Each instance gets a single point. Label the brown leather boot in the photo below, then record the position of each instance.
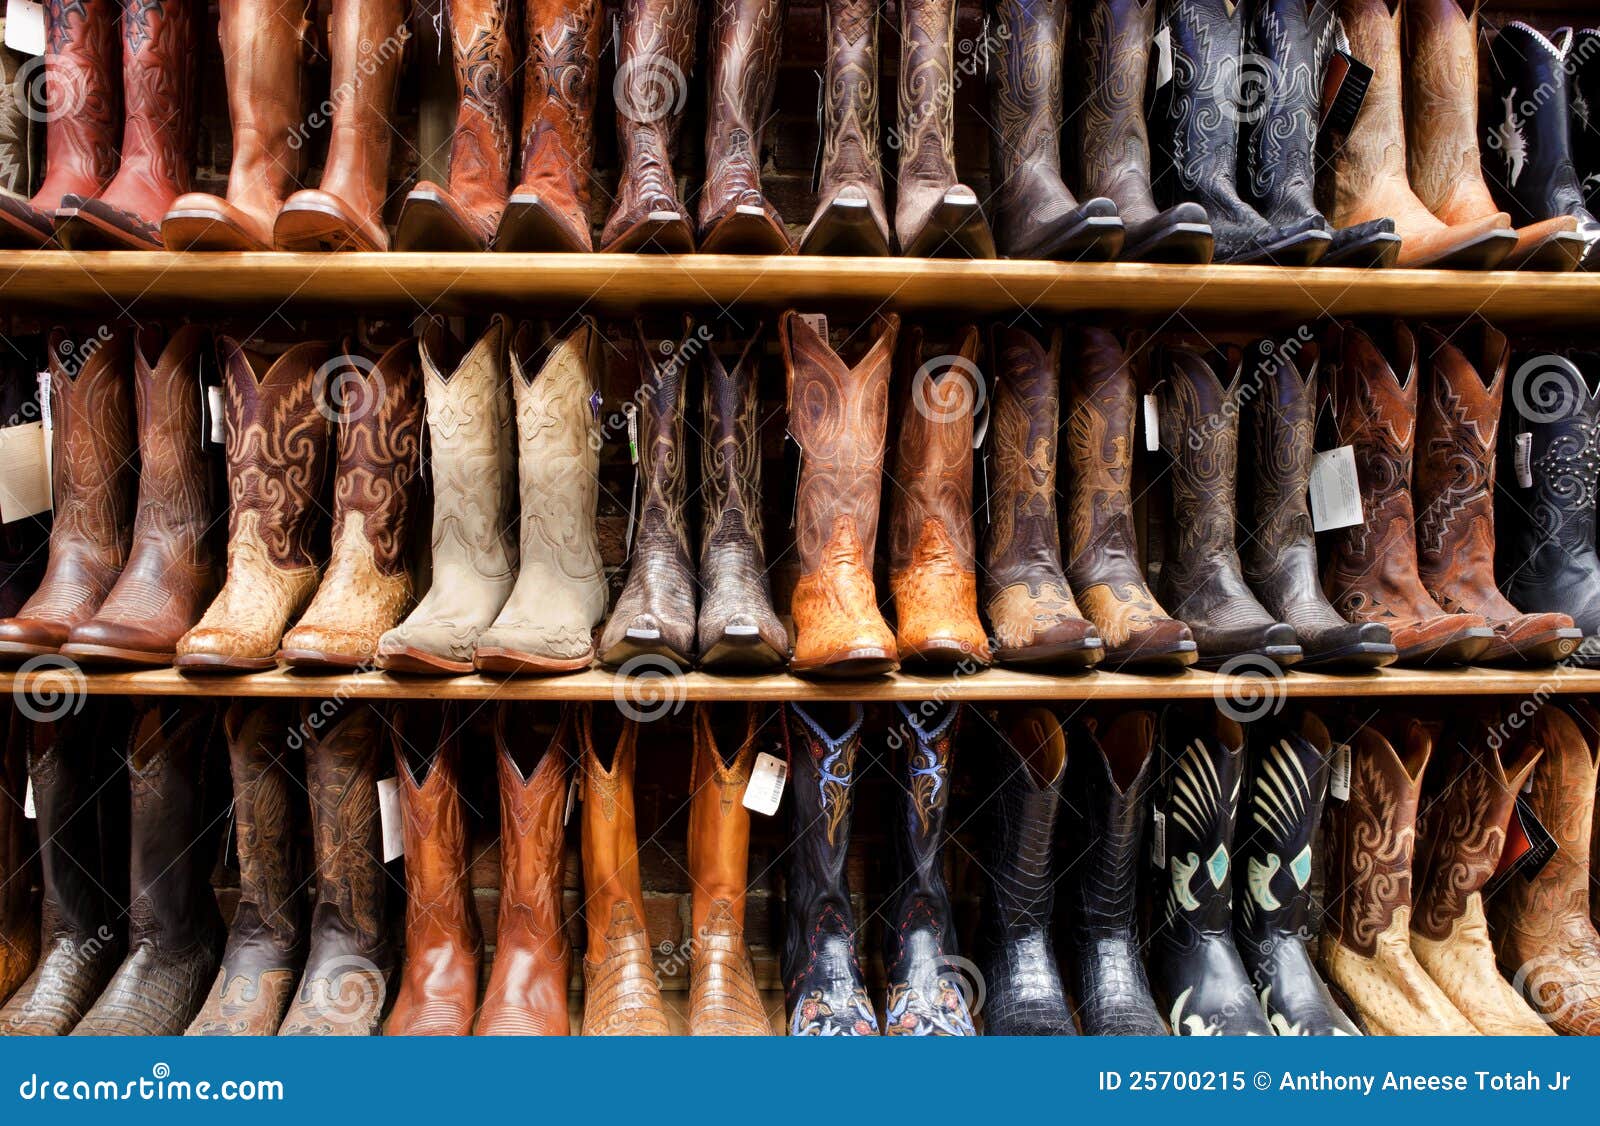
(277, 462)
(263, 60)
(527, 992)
(850, 218)
(621, 994)
(1371, 575)
(367, 585)
(931, 556)
(345, 212)
(171, 574)
(723, 998)
(19, 907)
(267, 941)
(838, 415)
(94, 472)
(735, 218)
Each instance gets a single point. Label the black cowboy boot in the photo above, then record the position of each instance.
(1016, 954)
(1108, 775)
(1283, 795)
(1584, 96)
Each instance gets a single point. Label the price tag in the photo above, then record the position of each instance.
(25, 26)
(1152, 424)
(1158, 839)
(394, 839)
(1339, 781)
(218, 430)
(1335, 492)
(1163, 46)
(1522, 460)
(24, 471)
(764, 791)
(28, 809)
(817, 323)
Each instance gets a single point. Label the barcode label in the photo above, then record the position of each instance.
(1158, 839)
(1339, 784)
(1523, 460)
(764, 791)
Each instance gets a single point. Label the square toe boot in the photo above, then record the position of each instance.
(850, 218)
(19, 907)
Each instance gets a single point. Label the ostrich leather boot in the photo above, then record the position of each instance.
(1102, 546)
(19, 907)
(267, 941)
(931, 551)
(850, 218)
(472, 466)
(723, 998)
(527, 991)
(547, 624)
(171, 573)
(735, 218)
(1371, 574)
(277, 466)
(1025, 593)
(838, 415)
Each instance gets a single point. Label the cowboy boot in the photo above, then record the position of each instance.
(931, 557)
(1102, 546)
(94, 472)
(347, 970)
(837, 416)
(171, 573)
(1109, 773)
(267, 941)
(1025, 594)
(1201, 578)
(1016, 951)
(1456, 427)
(737, 627)
(652, 86)
(549, 207)
(735, 218)
(1585, 101)
(850, 217)
(1112, 142)
(1371, 574)
(465, 214)
(1038, 217)
(277, 461)
(471, 459)
(823, 987)
(444, 949)
(345, 212)
(19, 908)
(621, 993)
(263, 60)
(655, 614)
(547, 624)
(527, 991)
(1544, 937)
(723, 998)
(78, 95)
(1287, 781)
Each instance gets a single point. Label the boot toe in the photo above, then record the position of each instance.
(31, 636)
(199, 221)
(101, 639)
(314, 644)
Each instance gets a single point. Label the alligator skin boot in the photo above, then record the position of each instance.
(1201, 578)
(655, 613)
(1016, 951)
(464, 214)
(549, 208)
(1366, 941)
(471, 462)
(1109, 775)
(547, 624)
(621, 991)
(822, 979)
(1544, 936)
(1037, 216)
(527, 991)
(1371, 574)
(346, 979)
(1457, 421)
(367, 40)
(850, 217)
(737, 627)
(735, 218)
(277, 465)
(1027, 600)
(1279, 556)
(367, 585)
(655, 56)
(931, 551)
(175, 933)
(1194, 957)
(1102, 545)
(19, 907)
(838, 415)
(263, 59)
(723, 998)
(438, 993)
(171, 573)
(1282, 807)
(267, 942)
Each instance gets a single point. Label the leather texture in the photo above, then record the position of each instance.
(1584, 98)
(745, 43)
(850, 176)
(1290, 40)
(19, 906)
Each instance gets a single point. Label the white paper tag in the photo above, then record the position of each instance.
(25, 27)
(394, 839)
(573, 790)
(28, 809)
(1522, 460)
(980, 429)
(216, 425)
(1163, 45)
(817, 323)
(765, 789)
(1158, 838)
(1339, 780)
(1152, 424)
(44, 401)
(1335, 492)
(24, 471)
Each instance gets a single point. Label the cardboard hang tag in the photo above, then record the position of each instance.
(1335, 490)
(1344, 88)
(24, 471)
(25, 27)
(1163, 49)
(764, 792)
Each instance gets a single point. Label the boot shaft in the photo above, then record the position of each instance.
(1110, 772)
(927, 101)
(378, 415)
(1292, 41)
(93, 447)
(719, 824)
(159, 45)
(267, 823)
(927, 733)
(823, 765)
(1528, 124)
(1195, 119)
(663, 393)
(1374, 152)
(342, 777)
(1441, 102)
(730, 458)
(1099, 444)
(1113, 144)
(1281, 428)
(850, 152)
(1559, 407)
(1285, 787)
(932, 509)
(1200, 433)
(81, 88)
(745, 45)
(657, 56)
(481, 36)
(532, 843)
(1584, 95)
(1025, 90)
(1562, 798)
(264, 62)
(367, 41)
(1024, 536)
(614, 896)
(427, 753)
(175, 496)
(1020, 894)
(1202, 777)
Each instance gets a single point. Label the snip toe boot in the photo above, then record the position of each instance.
(850, 217)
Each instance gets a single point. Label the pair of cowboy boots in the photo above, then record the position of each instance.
(19, 906)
